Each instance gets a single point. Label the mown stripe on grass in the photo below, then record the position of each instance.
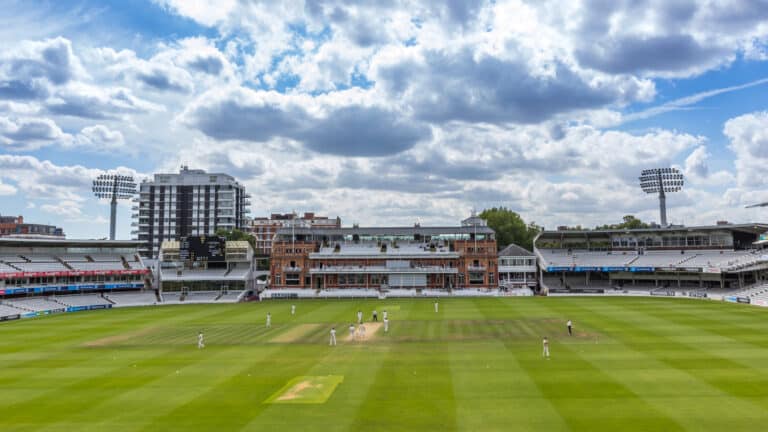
(492, 391)
(214, 408)
(606, 404)
(719, 323)
(62, 400)
(412, 385)
(708, 356)
(713, 372)
(346, 360)
(197, 373)
(669, 390)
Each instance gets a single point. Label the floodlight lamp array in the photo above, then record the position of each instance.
(658, 179)
(109, 185)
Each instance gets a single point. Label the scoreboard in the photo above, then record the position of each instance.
(202, 248)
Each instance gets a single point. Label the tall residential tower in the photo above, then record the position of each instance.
(190, 203)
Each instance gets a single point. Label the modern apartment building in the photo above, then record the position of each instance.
(190, 203)
(386, 258)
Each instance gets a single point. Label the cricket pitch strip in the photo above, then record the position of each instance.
(307, 390)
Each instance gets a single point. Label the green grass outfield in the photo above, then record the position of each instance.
(641, 364)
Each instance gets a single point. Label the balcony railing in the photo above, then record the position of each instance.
(383, 270)
(476, 268)
(291, 269)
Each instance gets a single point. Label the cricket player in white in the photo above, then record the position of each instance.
(436, 307)
(293, 309)
(545, 343)
(359, 317)
(200, 344)
(385, 314)
(361, 331)
(386, 324)
(570, 328)
(352, 331)
(333, 337)
(269, 320)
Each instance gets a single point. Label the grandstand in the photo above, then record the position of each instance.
(206, 270)
(673, 261)
(127, 299)
(78, 300)
(8, 312)
(41, 276)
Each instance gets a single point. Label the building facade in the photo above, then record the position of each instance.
(14, 226)
(385, 258)
(517, 268)
(190, 203)
(207, 263)
(265, 229)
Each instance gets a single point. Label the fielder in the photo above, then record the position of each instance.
(385, 314)
(293, 309)
(269, 320)
(386, 324)
(333, 337)
(359, 317)
(545, 343)
(200, 343)
(436, 307)
(570, 328)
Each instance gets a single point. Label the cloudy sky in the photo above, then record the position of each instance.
(389, 112)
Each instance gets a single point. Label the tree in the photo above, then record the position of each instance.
(510, 227)
(237, 235)
(629, 222)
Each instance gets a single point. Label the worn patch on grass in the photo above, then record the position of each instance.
(117, 339)
(307, 390)
(296, 333)
(371, 330)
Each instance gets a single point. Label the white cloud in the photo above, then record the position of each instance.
(748, 135)
(696, 163)
(67, 209)
(6, 189)
(26, 133)
(202, 11)
(99, 138)
(382, 111)
(158, 74)
(43, 179)
(92, 102)
(29, 133)
(50, 59)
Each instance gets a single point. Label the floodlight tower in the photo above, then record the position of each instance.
(661, 181)
(114, 187)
